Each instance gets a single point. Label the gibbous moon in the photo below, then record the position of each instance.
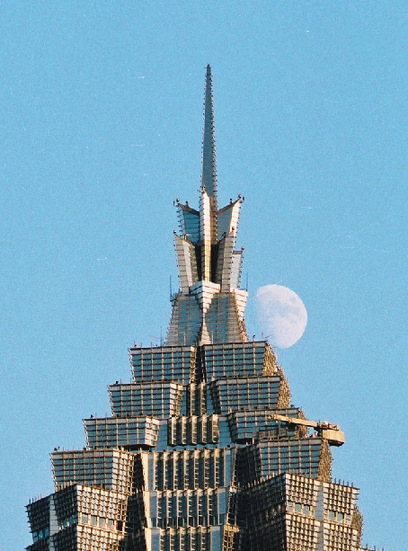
(281, 315)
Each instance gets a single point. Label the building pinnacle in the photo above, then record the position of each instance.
(209, 171)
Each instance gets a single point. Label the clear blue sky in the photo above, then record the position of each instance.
(101, 128)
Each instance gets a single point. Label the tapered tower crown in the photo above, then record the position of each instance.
(210, 305)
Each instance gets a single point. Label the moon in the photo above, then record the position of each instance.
(281, 315)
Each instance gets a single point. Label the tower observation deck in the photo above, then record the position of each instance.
(203, 450)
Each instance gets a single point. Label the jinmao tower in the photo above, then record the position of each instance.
(203, 450)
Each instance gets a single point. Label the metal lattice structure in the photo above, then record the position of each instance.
(203, 451)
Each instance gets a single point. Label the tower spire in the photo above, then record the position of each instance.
(209, 171)
(210, 305)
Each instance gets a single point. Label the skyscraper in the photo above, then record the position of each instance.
(203, 451)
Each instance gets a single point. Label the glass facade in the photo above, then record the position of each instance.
(204, 450)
